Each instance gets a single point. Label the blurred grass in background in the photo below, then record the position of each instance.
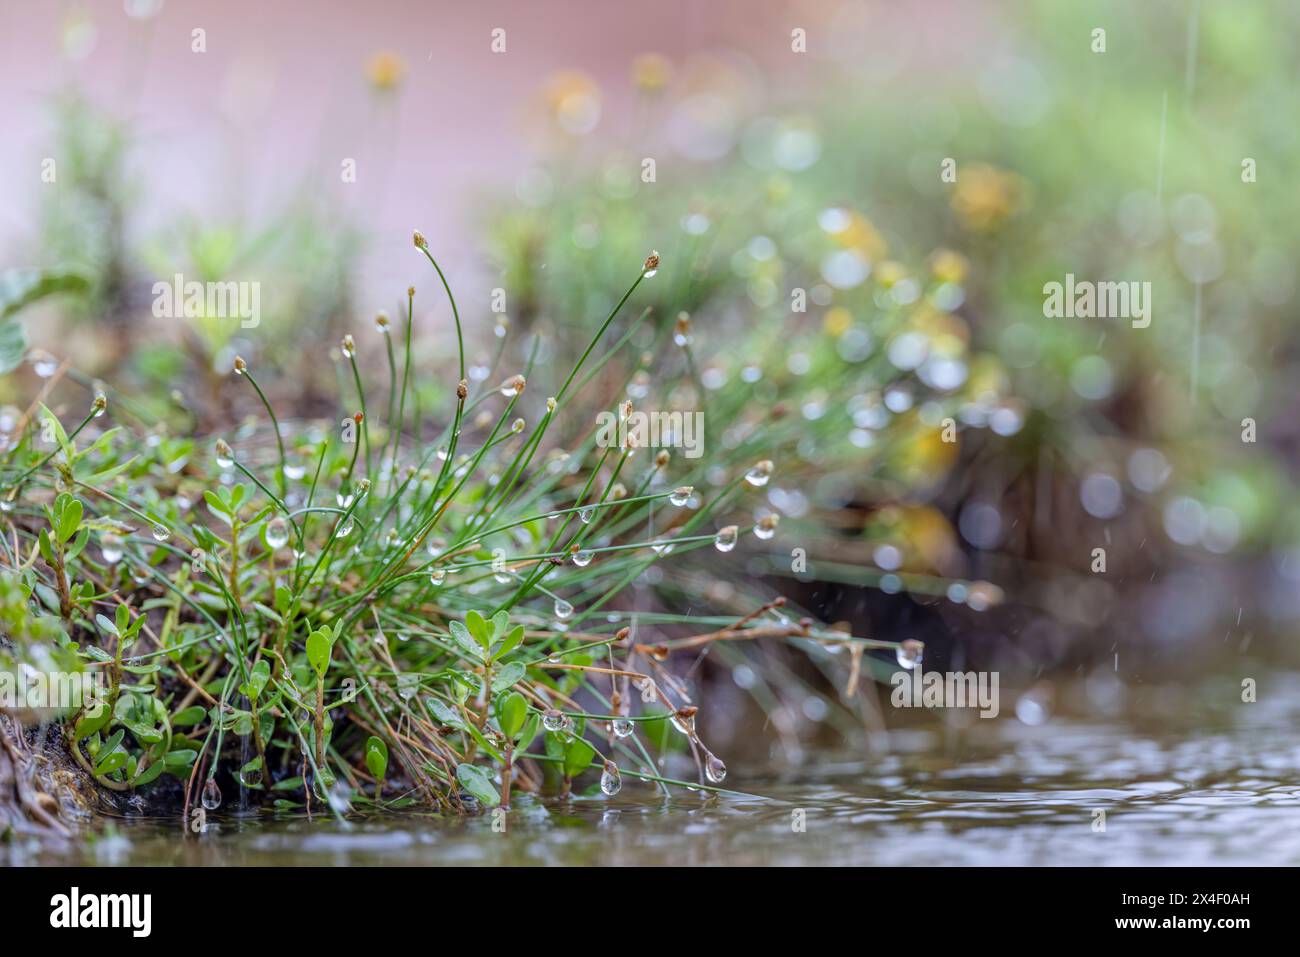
(923, 302)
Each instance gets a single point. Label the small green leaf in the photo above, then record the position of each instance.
(445, 715)
(578, 757)
(478, 783)
(463, 638)
(92, 721)
(512, 712)
(189, 717)
(107, 625)
(151, 772)
(113, 761)
(319, 648)
(47, 550)
(377, 757)
(70, 520)
(508, 676)
(500, 622)
(511, 641)
(258, 676)
(478, 628)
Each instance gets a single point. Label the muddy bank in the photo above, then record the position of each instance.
(42, 790)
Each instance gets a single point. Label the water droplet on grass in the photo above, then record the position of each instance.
(759, 474)
(277, 533)
(909, 653)
(725, 540)
(554, 720)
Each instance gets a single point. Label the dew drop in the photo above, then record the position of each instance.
(909, 653)
(407, 686)
(277, 533)
(43, 364)
(563, 610)
(725, 540)
(554, 720)
(759, 474)
(211, 795)
(623, 728)
(611, 782)
(161, 533)
(684, 721)
(110, 546)
(345, 528)
(680, 496)
(437, 576)
(714, 769)
(585, 514)
(582, 557)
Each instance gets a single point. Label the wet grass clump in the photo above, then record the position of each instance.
(441, 607)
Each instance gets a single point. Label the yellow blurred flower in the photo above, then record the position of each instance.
(949, 266)
(985, 196)
(386, 71)
(852, 230)
(922, 457)
(889, 272)
(573, 99)
(651, 72)
(837, 321)
(921, 532)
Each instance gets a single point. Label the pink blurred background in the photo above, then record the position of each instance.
(284, 93)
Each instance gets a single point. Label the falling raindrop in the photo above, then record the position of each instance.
(277, 533)
(611, 782)
(725, 540)
(909, 653)
(211, 795)
(250, 777)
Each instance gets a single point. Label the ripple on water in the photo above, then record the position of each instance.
(1011, 795)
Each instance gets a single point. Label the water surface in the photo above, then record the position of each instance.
(1209, 786)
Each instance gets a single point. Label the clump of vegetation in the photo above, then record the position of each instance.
(390, 611)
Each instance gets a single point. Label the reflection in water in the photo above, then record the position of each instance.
(1005, 794)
